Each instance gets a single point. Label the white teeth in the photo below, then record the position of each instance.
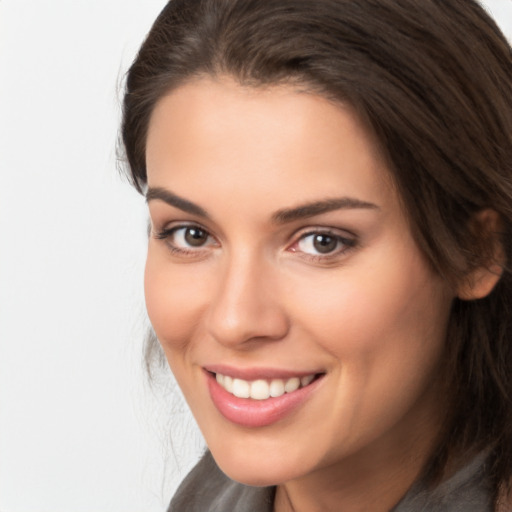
(261, 389)
(306, 380)
(228, 383)
(292, 384)
(241, 388)
(276, 388)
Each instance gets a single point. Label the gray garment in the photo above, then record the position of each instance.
(207, 489)
(468, 490)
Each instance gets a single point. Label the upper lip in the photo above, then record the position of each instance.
(255, 373)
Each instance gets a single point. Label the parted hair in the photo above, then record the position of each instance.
(432, 81)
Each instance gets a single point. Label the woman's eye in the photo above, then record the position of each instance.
(191, 237)
(186, 238)
(319, 244)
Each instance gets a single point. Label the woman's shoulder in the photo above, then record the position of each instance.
(207, 489)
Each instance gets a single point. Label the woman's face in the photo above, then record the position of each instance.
(279, 257)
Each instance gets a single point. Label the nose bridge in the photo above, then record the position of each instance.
(246, 305)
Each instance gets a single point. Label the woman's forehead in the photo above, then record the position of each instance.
(219, 130)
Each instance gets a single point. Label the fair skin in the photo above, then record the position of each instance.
(279, 249)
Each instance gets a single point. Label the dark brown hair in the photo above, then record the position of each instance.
(432, 80)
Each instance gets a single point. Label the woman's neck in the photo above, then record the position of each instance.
(375, 478)
(373, 492)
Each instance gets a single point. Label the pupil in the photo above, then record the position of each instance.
(195, 237)
(325, 243)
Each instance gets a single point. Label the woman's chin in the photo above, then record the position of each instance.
(256, 476)
(256, 470)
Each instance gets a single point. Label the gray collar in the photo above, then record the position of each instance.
(468, 490)
(207, 489)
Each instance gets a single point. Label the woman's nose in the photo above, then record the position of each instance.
(246, 306)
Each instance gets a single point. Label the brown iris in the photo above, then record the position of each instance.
(324, 243)
(195, 237)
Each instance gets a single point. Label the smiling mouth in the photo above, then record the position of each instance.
(262, 389)
(264, 397)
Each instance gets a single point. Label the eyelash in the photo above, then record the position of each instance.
(347, 243)
(167, 234)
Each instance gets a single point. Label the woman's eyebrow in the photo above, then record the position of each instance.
(319, 207)
(173, 200)
(280, 217)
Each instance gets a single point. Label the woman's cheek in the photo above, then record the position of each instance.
(333, 310)
(172, 302)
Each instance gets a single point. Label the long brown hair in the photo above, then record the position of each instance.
(432, 80)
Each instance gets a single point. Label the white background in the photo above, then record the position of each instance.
(79, 429)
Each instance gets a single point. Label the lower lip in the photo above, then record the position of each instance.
(247, 412)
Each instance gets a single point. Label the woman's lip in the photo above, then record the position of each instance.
(251, 413)
(255, 373)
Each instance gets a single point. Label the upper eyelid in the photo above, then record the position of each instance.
(330, 230)
(348, 238)
(175, 225)
(350, 241)
(172, 229)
